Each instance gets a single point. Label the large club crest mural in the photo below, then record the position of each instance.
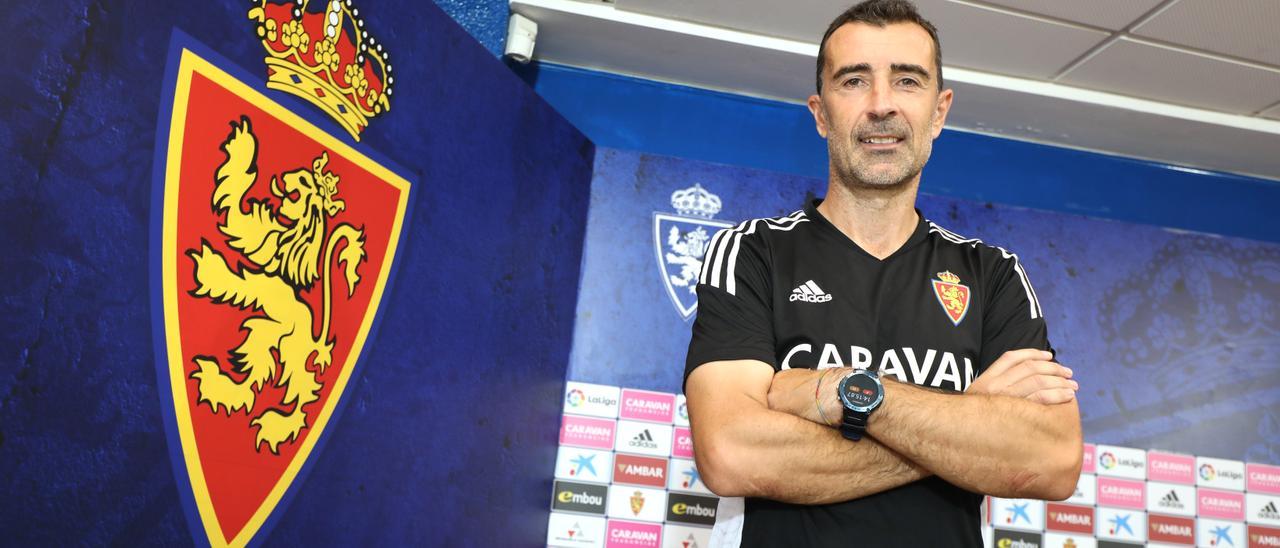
(275, 248)
(681, 241)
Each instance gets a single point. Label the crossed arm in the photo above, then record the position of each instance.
(1015, 433)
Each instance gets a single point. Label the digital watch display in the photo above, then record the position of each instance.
(861, 393)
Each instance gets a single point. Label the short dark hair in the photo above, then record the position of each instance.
(880, 13)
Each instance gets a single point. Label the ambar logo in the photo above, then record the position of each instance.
(1067, 518)
(579, 497)
(640, 470)
(1263, 536)
(691, 509)
(1171, 529)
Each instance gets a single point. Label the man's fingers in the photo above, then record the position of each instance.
(1036, 367)
(1053, 396)
(1037, 383)
(1014, 357)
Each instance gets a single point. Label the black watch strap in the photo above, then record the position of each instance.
(853, 424)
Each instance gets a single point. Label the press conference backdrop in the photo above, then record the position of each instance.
(1172, 335)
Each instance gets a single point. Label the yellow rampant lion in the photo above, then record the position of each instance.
(954, 298)
(284, 248)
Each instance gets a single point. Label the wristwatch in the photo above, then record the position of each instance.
(861, 393)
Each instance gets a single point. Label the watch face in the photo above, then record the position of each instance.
(860, 392)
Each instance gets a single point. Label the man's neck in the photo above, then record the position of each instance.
(878, 220)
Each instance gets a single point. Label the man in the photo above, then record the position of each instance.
(790, 308)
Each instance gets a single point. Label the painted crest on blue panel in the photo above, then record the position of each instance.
(680, 241)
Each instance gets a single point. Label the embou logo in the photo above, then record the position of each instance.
(579, 497)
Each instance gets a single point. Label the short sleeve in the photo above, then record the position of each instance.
(1012, 319)
(734, 320)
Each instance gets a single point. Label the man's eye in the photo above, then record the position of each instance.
(910, 82)
(853, 82)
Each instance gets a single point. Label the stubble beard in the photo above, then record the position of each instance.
(857, 169)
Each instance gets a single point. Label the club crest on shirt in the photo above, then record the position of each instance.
(680, 242)
(952, 295)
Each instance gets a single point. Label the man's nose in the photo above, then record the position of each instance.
(882, 104)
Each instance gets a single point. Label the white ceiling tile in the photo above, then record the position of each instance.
(1241, 28)
(999, 42)
(803, 20)
(1108, 14)
(1144, 70)
(1272, 113)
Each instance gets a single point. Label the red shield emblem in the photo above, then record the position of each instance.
(952, 295)
(276, 245)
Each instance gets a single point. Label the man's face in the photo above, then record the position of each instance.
(880, 108)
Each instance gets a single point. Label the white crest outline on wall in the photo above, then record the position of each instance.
(680, 242)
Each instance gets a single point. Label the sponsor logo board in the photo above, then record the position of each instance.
(1262, 508)
(1017, 513)
(1118, 524)
(1064, 540)
(682, 411)
(1212, 503)
(1171, 498)
(1171, 468)
(683, 536)
(1121, 493)
(647, 406)
(1086, 490)
(1263, 537)
(569, 496)
(643, 438)
(593, 400)
(683, 446)
(1220, 473)
(684, 476)
(1088, 463)
(573, 463)
(1219, 534)
(575, 531)
(1171, 529)
(637, 470)
(587, 432)
(693, 509)
(637, 503)
(1121, 462)
(631, 534)
(1004, 538)
(1068, 518)
(1262, 478)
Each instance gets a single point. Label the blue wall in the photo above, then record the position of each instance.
(450, 419)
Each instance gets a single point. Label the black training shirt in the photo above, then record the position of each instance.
(795, 292)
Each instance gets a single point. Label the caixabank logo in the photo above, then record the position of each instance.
(274, 243)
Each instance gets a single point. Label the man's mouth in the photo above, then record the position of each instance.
(880, 140)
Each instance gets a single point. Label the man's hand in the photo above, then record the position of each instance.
(1027, 373)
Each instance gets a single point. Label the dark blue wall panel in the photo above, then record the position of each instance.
(629, 113)
(450, 420)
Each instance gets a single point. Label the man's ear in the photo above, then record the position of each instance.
(819, 115)
(940, 111)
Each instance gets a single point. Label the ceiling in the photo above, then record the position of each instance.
(1194, 83)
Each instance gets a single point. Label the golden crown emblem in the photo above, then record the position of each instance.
(948, 277)
(326, 57)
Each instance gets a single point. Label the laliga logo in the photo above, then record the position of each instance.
(1107, 460)
(684, 411)
(1207, 473)
(575, 397)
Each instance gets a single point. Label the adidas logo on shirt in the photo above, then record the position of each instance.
(809, 292)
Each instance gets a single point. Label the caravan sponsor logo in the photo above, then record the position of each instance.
(1089, 459)
(629, 534)
(1068, 518)
(1171, 468)
(579, 497)
(1122, 493)
(1122, 462)
(1263, 508)
(1263, 478)
(594, 400)
(691, 509)
(682, 242)
(636, 470)
(927, 367)
(1260, 536)
(683, 444)
(648, 406)
(585, 432)
(1212, 503)
(1171, 529)
(644, 438)
(1015, 539)
(1171, 498)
